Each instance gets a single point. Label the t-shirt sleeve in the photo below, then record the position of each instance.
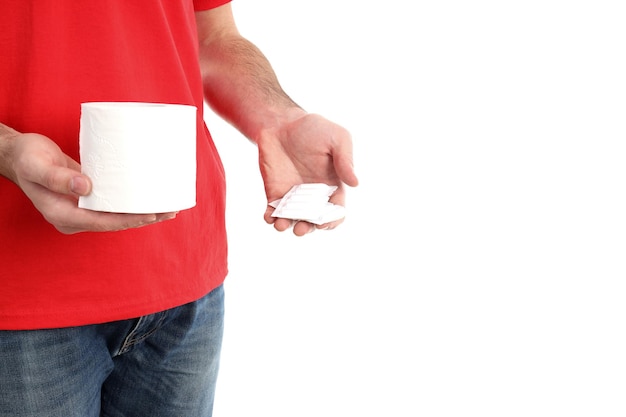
(208, 4)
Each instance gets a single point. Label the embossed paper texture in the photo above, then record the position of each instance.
(140, 157)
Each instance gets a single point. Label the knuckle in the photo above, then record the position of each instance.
(66, 230)
(22, 167)
(56, 219)
(56, 216)
(53, 179)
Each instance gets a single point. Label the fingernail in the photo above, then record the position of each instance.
(148, 219)
(168, 216)
(79, 186)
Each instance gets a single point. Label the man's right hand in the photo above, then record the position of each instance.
(53, 182)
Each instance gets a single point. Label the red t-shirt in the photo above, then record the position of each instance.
(55, 54)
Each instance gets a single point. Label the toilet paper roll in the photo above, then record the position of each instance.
(140, 157)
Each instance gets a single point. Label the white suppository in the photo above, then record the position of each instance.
(309, 202)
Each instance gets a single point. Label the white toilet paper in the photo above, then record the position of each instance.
(140, 157)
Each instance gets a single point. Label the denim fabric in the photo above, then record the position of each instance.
(160, 365)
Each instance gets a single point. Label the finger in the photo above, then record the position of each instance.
(67, 217)
(330, 225)
(80, 185)
(281, 224)
(106, 223)
(344, 166)
(339, 196)
(58, 179)
(303, 228)
(87, 220)
(268, 215)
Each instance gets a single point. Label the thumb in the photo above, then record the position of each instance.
(62, 180)
(80, 185)
(37, 160)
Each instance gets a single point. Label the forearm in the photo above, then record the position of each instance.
(241, 86)
(7, 135)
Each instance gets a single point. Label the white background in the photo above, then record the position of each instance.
(480, 269)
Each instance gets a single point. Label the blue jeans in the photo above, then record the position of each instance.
(163, 364)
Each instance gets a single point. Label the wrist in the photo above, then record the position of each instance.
(276, 122)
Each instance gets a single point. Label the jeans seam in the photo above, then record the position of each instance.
(133, 338)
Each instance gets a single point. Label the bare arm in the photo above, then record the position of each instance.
(239, 82)
(294, 146)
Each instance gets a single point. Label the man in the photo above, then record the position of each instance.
(122, 314)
